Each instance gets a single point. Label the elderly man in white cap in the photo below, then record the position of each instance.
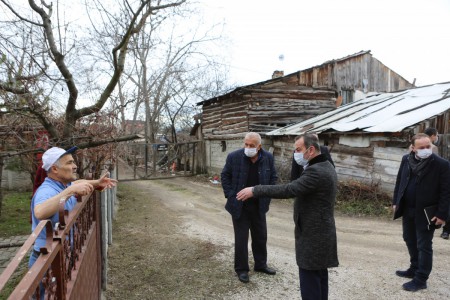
(60, 184)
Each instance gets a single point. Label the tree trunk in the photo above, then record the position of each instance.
(1, 189)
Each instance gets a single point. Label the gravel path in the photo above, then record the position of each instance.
(370, 250)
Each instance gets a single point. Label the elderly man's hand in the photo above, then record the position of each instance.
(81, 189)
(245, 194)
(104, 182)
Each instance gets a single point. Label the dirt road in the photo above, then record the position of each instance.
(173, 239)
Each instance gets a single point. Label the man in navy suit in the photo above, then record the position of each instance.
(249, 166)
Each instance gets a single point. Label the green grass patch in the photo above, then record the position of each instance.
(15, 279)
(15, 214)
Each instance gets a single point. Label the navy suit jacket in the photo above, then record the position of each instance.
(234, 178)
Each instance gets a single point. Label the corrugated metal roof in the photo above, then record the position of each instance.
(385, 112)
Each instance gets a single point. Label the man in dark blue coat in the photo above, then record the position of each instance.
(423, 181)
(249, 166)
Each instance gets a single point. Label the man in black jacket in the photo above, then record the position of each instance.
(249, 166)
(423, 180)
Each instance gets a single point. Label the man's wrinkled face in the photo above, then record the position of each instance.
(66, 169)
(250, 142)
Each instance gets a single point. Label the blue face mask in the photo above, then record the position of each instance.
(300, 159)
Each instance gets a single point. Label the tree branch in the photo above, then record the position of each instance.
(17, 91)
(19, 16)
(119, 55)
(87, 145)
(125, 138)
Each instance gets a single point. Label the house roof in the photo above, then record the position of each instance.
(246, 88)
(383, 112)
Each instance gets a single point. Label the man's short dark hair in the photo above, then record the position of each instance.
(310, 139)
(431, 131)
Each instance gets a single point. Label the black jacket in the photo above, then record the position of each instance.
(432, 188)
(315, 229)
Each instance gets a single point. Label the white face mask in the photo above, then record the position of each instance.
(423, 153)
(300, 159)
(250, 152)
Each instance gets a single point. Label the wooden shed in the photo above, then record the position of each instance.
(285, 100)
(368, 138)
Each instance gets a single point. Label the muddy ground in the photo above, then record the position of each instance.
(172, 239)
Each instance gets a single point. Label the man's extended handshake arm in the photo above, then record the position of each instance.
(80, 187)
(104, 182)
(50, 206)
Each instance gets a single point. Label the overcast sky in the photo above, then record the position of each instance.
(411, 37)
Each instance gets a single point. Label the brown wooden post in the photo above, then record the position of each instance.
(193, 171)
(185, 158)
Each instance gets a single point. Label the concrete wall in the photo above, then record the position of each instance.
(17, 181)
(217, 151)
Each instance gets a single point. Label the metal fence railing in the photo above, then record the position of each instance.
(73, 263)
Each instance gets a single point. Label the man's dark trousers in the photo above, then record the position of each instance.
(418, 239)
(255, 221)
(313, 284)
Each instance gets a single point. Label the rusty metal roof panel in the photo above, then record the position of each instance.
(384, 112)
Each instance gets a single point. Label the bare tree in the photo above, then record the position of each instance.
(43, 44)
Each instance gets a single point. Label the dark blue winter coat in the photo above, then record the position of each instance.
(234, 178)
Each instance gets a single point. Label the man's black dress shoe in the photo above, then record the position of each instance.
(406, 274)
(266, 270)
(243, 277)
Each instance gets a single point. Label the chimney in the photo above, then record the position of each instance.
(277, 74)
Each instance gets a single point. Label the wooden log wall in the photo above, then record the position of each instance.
(264, 109)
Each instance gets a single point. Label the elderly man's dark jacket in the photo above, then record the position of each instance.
(315, 229)
(432, 188)
(234, 178)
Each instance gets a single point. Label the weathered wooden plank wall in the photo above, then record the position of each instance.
(350, 73)
(263, 110)
(373, 165)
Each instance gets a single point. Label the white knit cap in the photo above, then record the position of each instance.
(53, 154)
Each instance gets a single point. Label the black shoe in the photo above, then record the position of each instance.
(266, 270)
(406, 274)
(414, 286)
(243, 277)
(444, 235)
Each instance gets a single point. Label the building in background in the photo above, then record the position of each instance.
(285, 100)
